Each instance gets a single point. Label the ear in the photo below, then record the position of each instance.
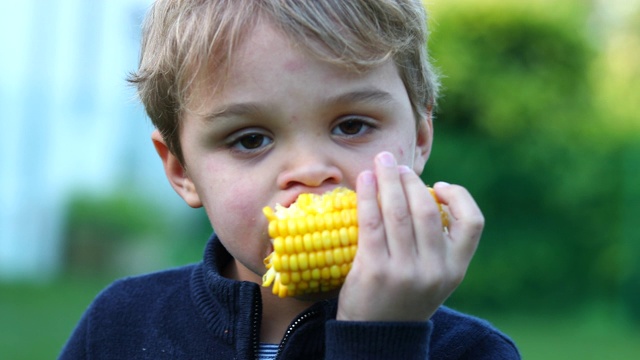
(423, 142)
(176, 173)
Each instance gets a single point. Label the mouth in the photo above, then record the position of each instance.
(289, 200)
(293, 197)
(268, 252)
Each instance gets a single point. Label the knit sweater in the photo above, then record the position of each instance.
(193, 312)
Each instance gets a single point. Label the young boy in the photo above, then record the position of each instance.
(256, 102)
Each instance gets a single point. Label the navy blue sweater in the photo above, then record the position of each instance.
(193, 312)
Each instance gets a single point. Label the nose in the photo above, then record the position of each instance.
(308, 167)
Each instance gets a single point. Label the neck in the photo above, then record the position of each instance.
(277, 315)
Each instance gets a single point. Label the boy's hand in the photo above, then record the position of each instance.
(406, 266)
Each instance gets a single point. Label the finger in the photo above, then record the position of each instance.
(370, 227)
(426, 215)
(395, 210)
(466, 221)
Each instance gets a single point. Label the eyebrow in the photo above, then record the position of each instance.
(373, 96)
(235, 110)
(362, 96)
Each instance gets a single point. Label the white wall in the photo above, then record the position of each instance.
(68, 120)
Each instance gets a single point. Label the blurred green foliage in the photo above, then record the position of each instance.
(124, 232)
(522, 126)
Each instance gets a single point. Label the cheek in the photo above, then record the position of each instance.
(405, 151)
(352, 165)
(236, 210)
(400, 152)
(403, 148)
(231, 199)
(405, 156)
(236, 217)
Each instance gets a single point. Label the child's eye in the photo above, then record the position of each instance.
(352, 127)
(251, 141)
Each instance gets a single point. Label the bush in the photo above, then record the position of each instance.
(124, 233)
(517, 126)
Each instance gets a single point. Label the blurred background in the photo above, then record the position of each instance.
(539, 118)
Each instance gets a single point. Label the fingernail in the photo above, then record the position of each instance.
(441, 184)
(367, 177)
(404, 169)
(386, 159)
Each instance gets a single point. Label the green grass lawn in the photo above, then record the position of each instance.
(35, 321)
(599, 332)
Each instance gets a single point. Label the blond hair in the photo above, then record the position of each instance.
(188, 39)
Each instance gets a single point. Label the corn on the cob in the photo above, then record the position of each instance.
(314, 242)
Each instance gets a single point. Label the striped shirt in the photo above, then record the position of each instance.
(267, 351)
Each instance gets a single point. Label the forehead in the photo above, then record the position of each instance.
(219, 57)
(264, 57)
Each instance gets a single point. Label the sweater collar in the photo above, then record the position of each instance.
(232, 309)
(228, 306)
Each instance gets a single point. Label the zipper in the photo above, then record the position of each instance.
(300, 320)
(257, 313)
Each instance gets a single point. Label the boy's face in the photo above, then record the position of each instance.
(286, 123)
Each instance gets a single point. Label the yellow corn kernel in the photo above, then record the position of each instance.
(314, 242)
(443, 215)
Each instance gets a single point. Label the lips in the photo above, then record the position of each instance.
(293, 196)
(269, 249)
